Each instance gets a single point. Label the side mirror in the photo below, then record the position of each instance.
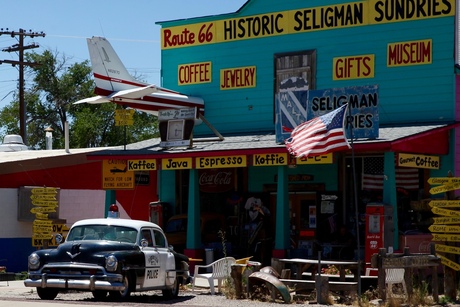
(59, 238)
(144, 243)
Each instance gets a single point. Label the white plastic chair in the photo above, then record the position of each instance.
(220, 269)
(392, 277)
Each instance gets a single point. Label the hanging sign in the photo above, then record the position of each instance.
(449, 263)
(444, 203)
(445, 188)
(446, 220)
(444, 228)
(447, 249)
(445, 212)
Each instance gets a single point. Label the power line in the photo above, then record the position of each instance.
(20, 47)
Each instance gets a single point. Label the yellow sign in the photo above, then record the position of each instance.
(194, 73)
(445, 188)
(124, 122)
(409, 53)
(270, 159)
(42, 236)
(142, 165)
(45, 203)
(418, 161)
(44, 191)
(445, 237)
(115, 175)
(443, 180)
(176, 163)
(444, 228)
(43, 196)
(446, 220)
(301, 20)
(323, 159)
(43, 210)
(124, 113)
(353, 67)
(43, 222)
(124, 117)
(445, 212)
(221, 162)
(236, 78)
(447, 249)
(444, 203)
(59, 228)
(449, 263)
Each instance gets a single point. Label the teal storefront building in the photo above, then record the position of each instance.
(271, 65)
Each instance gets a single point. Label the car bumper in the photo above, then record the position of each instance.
(92, 283)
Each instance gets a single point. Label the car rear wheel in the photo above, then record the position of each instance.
(124, 293)
(47, 293)
(172, 292)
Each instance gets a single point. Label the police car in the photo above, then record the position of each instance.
(109, 256)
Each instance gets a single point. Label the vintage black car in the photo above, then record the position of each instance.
(109, 256)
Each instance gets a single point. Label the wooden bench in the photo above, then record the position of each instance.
(306, 284)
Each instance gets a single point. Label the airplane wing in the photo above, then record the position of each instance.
(135, 93)
(94, 100)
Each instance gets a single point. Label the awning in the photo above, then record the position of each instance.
(428, 139)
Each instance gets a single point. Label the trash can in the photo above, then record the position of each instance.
(209, 256)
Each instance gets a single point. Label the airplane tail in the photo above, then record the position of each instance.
(115, 84)
(109, 72)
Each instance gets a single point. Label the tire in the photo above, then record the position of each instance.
(47, 293)
(172, 292)
(100, 295)
(125, 293)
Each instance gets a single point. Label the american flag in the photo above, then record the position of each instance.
(373, 176)
(320, 135)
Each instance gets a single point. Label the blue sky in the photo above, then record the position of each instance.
(128, 25)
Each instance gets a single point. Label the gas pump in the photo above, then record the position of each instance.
(379, 229)
(158, 213)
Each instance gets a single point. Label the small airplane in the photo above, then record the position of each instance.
(115, 84)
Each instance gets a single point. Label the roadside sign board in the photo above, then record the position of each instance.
(446, 220)
(444, 203)
(446, 237)
(445, 212)
(443, 180)
(444, 228)
(115, 175)
(124, 117)
(445, 188)
(449, 263)
(447, 249)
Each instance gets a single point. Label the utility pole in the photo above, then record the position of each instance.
(20, 48)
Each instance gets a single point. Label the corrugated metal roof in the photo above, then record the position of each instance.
(252, 142)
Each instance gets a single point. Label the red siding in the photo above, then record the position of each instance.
(86, 176)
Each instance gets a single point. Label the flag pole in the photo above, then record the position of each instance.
(355, 200)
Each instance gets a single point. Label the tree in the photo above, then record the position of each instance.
(55, 86)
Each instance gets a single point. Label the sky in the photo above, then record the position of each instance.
(128, 25)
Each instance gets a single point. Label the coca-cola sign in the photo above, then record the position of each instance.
(215, 180)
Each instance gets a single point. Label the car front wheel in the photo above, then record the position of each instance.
(47, 293)
(124, 293)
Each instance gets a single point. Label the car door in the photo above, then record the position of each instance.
(167, 261)
(153, 275)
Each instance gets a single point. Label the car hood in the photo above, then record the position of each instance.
(84, 251)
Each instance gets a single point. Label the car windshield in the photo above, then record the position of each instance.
(103, 232)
